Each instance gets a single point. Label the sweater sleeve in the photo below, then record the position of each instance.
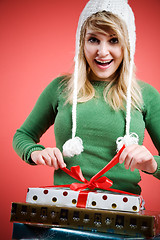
(27, 137)
(151, 98)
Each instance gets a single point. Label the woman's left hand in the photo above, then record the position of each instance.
(137, 156)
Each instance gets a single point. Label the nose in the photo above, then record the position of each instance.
(103, 49)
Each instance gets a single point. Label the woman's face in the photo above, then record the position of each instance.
(103, 53)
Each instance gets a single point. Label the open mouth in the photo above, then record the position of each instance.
(104, 63)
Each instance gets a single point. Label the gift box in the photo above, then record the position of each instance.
(87, 199)
(28, 231)
(94, 220)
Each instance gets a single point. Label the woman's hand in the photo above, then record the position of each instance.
(137, 156)
(49, 156)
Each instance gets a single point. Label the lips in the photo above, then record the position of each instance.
(103, 63)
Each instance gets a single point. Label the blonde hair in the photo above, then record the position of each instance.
(116, 91)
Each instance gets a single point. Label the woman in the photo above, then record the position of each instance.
(101, 102)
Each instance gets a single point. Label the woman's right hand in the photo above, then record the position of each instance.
(49, 156)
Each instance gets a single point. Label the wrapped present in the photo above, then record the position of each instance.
(76, 196)
(87, 199)
(29, 231)
(94, 220)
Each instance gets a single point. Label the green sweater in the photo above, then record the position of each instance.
(98, 125)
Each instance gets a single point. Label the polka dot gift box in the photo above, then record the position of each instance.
(84, 199)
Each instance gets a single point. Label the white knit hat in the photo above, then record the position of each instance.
(120, 8)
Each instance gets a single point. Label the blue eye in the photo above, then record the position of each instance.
(114, 40)
(93, 40)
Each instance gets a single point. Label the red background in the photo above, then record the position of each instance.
(37, 44)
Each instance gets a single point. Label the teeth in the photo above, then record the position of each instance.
(103, 61)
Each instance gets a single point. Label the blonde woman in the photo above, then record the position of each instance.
(99, 105)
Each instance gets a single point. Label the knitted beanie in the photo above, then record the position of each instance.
(121, 9)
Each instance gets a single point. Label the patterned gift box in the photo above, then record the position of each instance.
(86, 199)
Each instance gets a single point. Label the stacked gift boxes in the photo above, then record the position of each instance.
(102, 211)
(111, 211)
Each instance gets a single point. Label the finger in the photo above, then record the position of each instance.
(128, 160)
(126, 152)
(59, 157)
(55, 163)
(53, 159)
(130, 154)
(47, 159)
(123, 156)
(40, 160)
(140, 159)
(133, 166)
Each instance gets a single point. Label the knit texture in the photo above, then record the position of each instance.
(98, 124)
(117, 7)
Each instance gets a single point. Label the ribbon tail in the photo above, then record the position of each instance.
(122, 192)
(75, 172)
(111, 164)
(58, 186)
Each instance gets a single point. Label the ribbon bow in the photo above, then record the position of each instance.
(96, 181)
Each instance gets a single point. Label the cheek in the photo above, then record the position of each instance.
(119, 53)
(89, 51)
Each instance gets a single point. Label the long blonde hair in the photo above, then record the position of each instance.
(116, 91)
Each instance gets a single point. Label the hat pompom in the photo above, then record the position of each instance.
(127, 140)
(73, 147)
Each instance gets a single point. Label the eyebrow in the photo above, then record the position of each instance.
(95, 35)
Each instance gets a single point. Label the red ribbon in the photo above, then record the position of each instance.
(82, 199)
(96, 181)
